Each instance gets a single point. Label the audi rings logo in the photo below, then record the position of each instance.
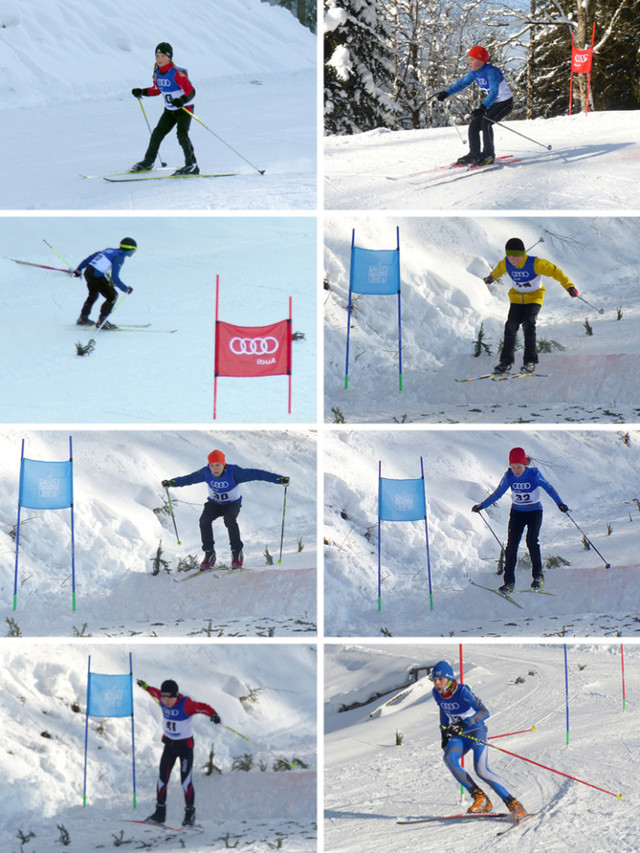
(254, 346)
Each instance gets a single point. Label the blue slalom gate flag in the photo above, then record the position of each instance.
(109, 696)
(375, 271)
(46, 485)
(402, 500)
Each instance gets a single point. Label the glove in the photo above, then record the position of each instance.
(167, 483)
(215, 718)
(444, 740)
(563, 508)
(572, 291)
(476, 508)
(138, 93)
(454, 729)
(142, 684)
(284, 481)
(129, 290)
(489, 279)
(442, 96)
(479, 111)
(77, 273)
(177, 102)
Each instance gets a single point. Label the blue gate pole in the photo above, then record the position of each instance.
(15, 579)
(86, 735)
(379, 531)
(133, 738)
(566, 688)
(346, 368)
(399, 315)
(426, 534)
(73, 542)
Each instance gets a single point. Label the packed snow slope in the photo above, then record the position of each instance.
(43, 717)
(163, 373)
(595, 473)
(122, 518)
(68, 111)
(370, 782)
(594, 164)
(589, 361)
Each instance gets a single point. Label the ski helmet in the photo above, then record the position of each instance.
(216, 456)
(514, 246)
(128, 243)
(442, 669)
(165, 47)
(478, 52)
(169, 688)
(517, 456)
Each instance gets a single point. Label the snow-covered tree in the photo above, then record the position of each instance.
(358, 67)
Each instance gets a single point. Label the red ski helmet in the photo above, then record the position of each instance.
(478, 52)
(216, 456)
(517, 456)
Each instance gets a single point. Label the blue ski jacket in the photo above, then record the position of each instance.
(490, 79)
(525, 490)
(107, 263)
(226, 488)
(462, 705)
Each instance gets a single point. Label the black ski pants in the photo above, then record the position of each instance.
(174, 750)
(518, 520)
(522, 314)
(481, 124)
(98, 285)
(229, 514)
(168, 120)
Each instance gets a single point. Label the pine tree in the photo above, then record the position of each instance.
(358, 68)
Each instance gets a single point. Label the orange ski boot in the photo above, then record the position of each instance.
(515, 808)
(481, 803)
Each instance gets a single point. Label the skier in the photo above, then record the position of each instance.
(462, 728)
(102, 271)
(177, 90)
(177, 712)
(497, 104)
(526, 297)
(224, 500)
(526, 511)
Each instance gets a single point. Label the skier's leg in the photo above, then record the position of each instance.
(230, 521)
(186, 774)
(534, 523)
(517, 521)
(481, 767)
(452, 759)
(165, 123)
(511, 327)
(206, 526)
(183, 122)
(496, 112)
(474, 136)
(529, 332)
(93, 285)
(109, 292)
(167, 760)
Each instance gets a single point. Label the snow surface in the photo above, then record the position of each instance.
(147, 377)
(117, 492)
(593, 164)
(370, 782)
(43, 722)
(584, 378)
(66, 78)
(595, 473)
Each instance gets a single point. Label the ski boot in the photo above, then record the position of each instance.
(188, 169)
(485, 159)
(159, 815)
(516, 808)
(481, 803)
(189, 816)
(106, 325)
(142, 166)
(528, 367)
(503, 367)
(506, 588)
(237, 559)
(84, 321)
(467, 160)
(538, 582)
(209, 561)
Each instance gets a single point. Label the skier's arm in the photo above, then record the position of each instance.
(494, 77)
(503, 485)
(187, 87)
(188, 479)
(546, 485)
(544, 267)
(86, 261)
(246, 475)
(152, 691)
(192, 707)
(480, 715)
(116, 266)
(460, 84)
(500, 270)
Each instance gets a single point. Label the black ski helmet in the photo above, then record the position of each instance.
(169, 688)
(128, 243)
(165, 47)
(514, 246)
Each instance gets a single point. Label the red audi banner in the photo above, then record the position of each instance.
(581, 60)
(253, 350)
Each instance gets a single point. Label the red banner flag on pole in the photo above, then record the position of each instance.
(251, 350)
(581, 62)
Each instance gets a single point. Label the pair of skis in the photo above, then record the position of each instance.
(467, 816)
(224, 571)
(440, 171)
(508, 595)
(502, 377)
(154, 175)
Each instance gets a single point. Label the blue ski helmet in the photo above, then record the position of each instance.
(442, 669)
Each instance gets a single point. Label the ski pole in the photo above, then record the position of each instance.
(508, 734)
(162, 163)
(259, 745)
(506, 127)
(42, 266)
(589, 542)
(175, 527)
(55, 252)
(261, 171)
(284, 506)
(537, 764)
(599, 310)
(492, 530)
